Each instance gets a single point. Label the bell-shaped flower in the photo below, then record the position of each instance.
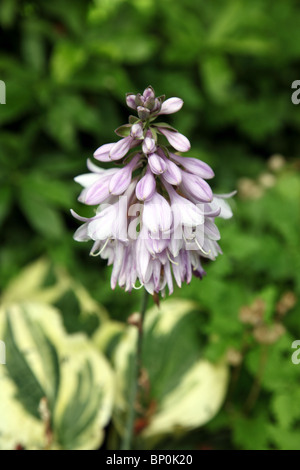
(195, 188)
(145, 188)
(194, 166)
(177, 140)
(157, 214)
(121, 180)
(156, 164)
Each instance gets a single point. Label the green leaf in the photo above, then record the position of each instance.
(8, 11)
(65, 61)
(165, 125)
(51, 190)
(251, 433)
(44, 283)
(123, 131)
(43, 218)
(43, 362)
(29, 390)
(133, 119)
(285, 406)
(217, 77)
(5, 202)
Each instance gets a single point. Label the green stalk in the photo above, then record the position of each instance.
(256, 387)
(129, 427)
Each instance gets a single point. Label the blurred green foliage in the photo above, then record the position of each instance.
(67, 66)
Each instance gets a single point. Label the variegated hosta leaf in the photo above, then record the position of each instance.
(41, 282)
(107, 337)
(56, 390)
(180, 390)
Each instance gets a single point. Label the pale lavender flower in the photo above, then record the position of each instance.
(177, 140)
(170, 106)
(156, 164)
(195, 188)
(121, 180)
(194, 166)
(172, 173)
(157, 214)
(148, 145)
(145, 188)
(119, 149)
(155, 220)
(130, 100)
(148, 94)
(96, 186)
(185, 212)
(137, 130)
(102, 153)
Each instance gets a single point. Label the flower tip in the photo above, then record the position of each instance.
(130, 100)
(170, 106)
(149, 92)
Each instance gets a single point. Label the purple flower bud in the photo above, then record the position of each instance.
(172, 175)
(196, 188)
(156, 106)
(157, 164)
(120, 148)
(170, 106)
(177, 140)
(195, 166)
(137, 130)
(149, 103)
(145, 188)
(130, 100)
(148, 145)
(149, 93)
(139, 100)
(102, 153)
(121, 180)
(143, 113)
(157, 214)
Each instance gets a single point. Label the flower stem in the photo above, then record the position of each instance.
(256, 387)
(129, 426)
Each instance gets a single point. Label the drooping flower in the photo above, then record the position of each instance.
(155, 221)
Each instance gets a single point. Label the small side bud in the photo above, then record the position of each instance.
(143, 113)
(130, 100)
(137, 131)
